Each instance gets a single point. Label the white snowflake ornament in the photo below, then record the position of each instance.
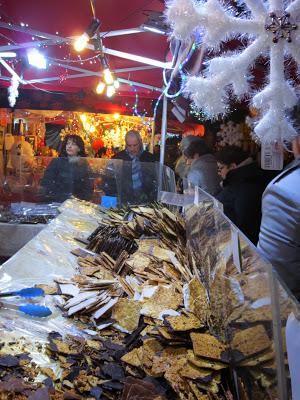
(270, 29)
(230, 133)
(13, 92)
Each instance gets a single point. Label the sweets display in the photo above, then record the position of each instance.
(164, 313)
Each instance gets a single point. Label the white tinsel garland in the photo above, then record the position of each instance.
(13, 92)
(269, 29)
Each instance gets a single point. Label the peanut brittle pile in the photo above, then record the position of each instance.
(165, 313)
(186, 326)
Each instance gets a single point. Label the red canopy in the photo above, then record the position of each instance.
(45, 21)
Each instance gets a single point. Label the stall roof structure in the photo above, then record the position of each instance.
(136, 56)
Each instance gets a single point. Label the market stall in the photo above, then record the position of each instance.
(29, 200)
(44, 130)
(182, 304)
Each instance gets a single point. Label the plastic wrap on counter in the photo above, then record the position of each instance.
(41, 261)
(28, 213)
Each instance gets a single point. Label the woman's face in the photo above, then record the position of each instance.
(223, 170)
(71, 148)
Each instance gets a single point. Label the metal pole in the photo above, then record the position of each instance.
(152, 137)
(163, 131)
(162, 145)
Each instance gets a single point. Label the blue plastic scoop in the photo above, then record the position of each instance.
(27, 293)
(34, 310)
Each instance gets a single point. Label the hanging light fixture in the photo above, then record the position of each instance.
(109, 80)
(81, 42)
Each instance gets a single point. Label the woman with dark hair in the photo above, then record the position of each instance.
(243, 184)
(203, 167)
(69, 174)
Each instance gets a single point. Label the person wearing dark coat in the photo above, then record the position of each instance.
(136, 176)
(242, 188)
(69, 174)
(279, 238)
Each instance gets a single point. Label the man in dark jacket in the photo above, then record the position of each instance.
(279, 238)
(136, 179)
(243, 185)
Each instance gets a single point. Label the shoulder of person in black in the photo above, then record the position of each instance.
(249, 174)
(144, 157)
(241, 197)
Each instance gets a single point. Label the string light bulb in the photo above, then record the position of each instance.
(81, 42)
(110, 82)
(110, 91)
(100, 87)
(108, 76)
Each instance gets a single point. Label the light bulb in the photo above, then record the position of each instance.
(36, 59)
(92, 129)
(110, 91)
(81, 42)
(87, 126)
(116, 116)
(100, 87)
(116, 84)
(108, 76)
(83, 118)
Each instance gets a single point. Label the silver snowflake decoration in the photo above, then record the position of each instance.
(281, 26)
(271, 29)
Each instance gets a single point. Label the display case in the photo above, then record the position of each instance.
(31, 189)
(47, 180)
(240, 309)
(250, 305)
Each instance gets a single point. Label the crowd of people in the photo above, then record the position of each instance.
(266, 210)
(264, 205)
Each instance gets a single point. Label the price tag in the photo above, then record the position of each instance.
(272, 156)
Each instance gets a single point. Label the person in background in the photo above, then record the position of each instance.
(156, 152)
(134, 149)
(181, 167)
(279, 237)
(69, 174)
(202, 164)
(138, 179)
(243, 184)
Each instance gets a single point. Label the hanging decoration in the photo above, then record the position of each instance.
(229, 134)
(270, 29)
(13, 92)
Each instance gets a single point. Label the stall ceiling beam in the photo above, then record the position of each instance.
(56, 39)
(57, 78)
(119, 70)
(90, 73)
(94, 73)
(44, 35)
(11, 71)
(33, 43)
